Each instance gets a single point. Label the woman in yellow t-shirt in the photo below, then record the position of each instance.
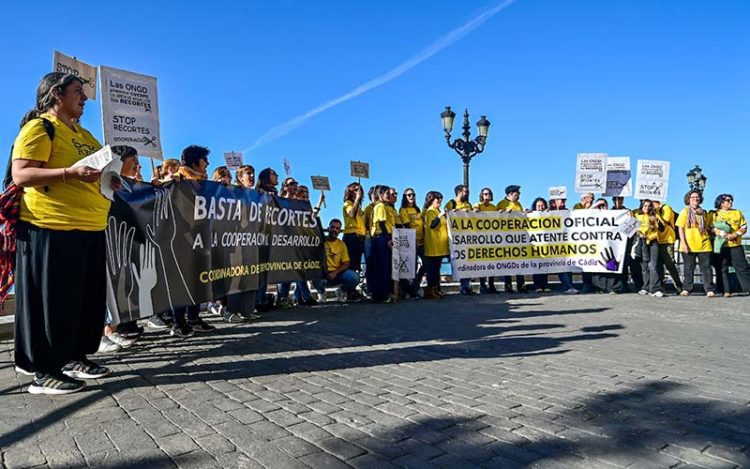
(729, 227)
(411, 217)
(486, 284)
(651, 226)
(354, 225)
(435, 242)
(384, 219)
(694, 225)
(60, 272)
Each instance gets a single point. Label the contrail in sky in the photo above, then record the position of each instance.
(445, 41)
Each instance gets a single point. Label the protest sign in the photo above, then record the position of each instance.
(652, 180)
(320, 183)
(489, 244)
(619, 177)
(130, 111)
(558, 192)
(591, 172)
(87, 73)
(182, 244)
(233, 159)
(403, 258)
(360, 170)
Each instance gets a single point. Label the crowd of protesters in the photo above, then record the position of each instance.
(61, 308)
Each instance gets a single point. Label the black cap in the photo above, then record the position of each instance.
(512, 188)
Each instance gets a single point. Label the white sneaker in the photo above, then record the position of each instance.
(658, 294)
(571, 291)
(215, 308)
(340, 295)
(120, 340)
(107, 346)
(24, 372)
(322, 298)
(643, 292)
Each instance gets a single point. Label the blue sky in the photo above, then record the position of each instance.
(654, 80)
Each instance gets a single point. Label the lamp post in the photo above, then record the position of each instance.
(465, 146)
(696, 179)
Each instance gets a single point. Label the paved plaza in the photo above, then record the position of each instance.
(488, 381)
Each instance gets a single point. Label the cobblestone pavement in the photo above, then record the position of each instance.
(520, 381)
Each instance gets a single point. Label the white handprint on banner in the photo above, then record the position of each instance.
(164, 226)
(145, 278)
(119, 240)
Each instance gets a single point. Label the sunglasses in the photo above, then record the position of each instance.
(411, 194)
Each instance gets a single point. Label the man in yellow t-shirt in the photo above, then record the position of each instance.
(666, 239)
(337, 266)
(511, 203)
(694, 225)
(461, 203)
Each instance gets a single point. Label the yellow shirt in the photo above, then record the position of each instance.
(453, 205)
(386, 213)
(411, 216)
(578, 206)
(368, 217)
(696, 241)
(490, 207)
(734, 219)
(355, 224)
(435, 239)
(506, 204)
(668, 236)
(649, 231)
(61, 206)
(336, 254)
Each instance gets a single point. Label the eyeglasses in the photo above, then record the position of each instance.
(728, 199)
(486, 193)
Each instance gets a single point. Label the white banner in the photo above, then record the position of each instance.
(63, 63)
(404, 258)
(619, 177)
(591, 172)
(489, 244)
(130, 111)
(652, 180)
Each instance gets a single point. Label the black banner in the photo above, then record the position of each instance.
(190, 242)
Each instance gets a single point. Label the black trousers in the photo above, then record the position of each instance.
(355, 245)
(432, 268)
(735, 256)
(60, 296)
(704, 259)
(666, 259)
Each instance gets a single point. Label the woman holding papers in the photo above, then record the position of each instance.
(60, 260)
(435, 242)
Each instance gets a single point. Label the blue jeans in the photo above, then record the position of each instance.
(348, 280)
(301, 292)
(566, 280)
(282, 291)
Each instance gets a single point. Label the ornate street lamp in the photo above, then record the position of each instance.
(696, 179)
(465, 146)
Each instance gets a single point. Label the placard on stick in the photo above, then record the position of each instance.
(233, 159)
(591, 172)
(619, 180)
(320, 183)
(360, 169)
(558, 192)
(652, 180)
(65, 64)
(130, 111)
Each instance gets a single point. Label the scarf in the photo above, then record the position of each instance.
(696, 219)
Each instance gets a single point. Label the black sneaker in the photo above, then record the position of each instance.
(231, 317)
(199, 325)
(85, 369)
(156, 322)
(250, 316)
(181, 331)
(130, 330)
(54, 385)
